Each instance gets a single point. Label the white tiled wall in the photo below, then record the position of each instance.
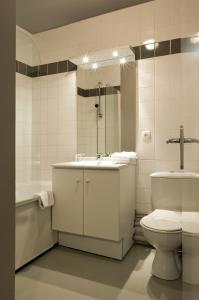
(45, 124)
(26, 50)
(24, 46)
(167, 97)
(55, 128)
(23, 129)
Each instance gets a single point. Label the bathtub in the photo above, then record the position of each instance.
(34, 234)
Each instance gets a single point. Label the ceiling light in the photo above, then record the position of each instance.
(115, 53)
(195, 39)
(85, 59)
(123, 60)
(150, 44)
(95, 66)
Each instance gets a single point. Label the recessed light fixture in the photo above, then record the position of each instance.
(150, 44)
(123, 60)
(115, 53)
(95, 66)
(195, 39)
(85, 59)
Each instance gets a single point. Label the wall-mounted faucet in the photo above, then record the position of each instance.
(181, 141)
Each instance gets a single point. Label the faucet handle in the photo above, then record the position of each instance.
(173, 140)
(107, 154)
(99, 155)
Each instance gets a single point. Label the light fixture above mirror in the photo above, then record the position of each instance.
(104, 58)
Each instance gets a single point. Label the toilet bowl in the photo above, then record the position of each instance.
(162, 229)
(190, 247)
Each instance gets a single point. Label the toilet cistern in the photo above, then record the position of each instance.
(182, 140)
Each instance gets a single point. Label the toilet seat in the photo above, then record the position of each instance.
(163, 221)
(190, 223)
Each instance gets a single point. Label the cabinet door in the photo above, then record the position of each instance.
(101, 204)
(67, 215)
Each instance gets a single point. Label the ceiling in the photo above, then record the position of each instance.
(40, 15)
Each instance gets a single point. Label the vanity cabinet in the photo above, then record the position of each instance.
(101, 204)
(94, 208)
(68, 209)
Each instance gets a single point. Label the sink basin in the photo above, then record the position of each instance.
(90, 164)
(175, 174)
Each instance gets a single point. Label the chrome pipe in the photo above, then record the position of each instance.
(191, 140)
(182, 140)
(181, 147)
(99, 107)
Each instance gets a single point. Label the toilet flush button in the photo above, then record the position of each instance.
(146, 136)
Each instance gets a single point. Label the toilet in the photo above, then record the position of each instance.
(162, 227)
(190, 246)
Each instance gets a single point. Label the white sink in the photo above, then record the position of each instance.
(90, 164)
(175, 174)
(94, 162)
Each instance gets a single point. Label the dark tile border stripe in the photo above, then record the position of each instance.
(111, 90)
(47, 69)
(174, 46)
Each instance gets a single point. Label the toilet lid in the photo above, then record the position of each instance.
(190, 222)
(163, 220)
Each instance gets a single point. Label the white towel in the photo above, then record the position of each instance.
(46, 199)
(121, 160)
(125, 154)
(124, 157)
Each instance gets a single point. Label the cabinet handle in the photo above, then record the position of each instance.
(88, 181)
(78, 180)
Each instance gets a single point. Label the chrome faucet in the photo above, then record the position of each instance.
(182, 140)
(99, 155)
(102, 155)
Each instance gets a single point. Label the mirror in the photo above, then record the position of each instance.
(106, 92)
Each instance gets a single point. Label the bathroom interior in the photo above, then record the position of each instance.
(107, 150)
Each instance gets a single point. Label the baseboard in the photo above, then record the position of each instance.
(102, 247)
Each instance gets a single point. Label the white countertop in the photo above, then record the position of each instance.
(104, 165)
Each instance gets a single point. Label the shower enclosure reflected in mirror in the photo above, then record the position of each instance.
(106, 102)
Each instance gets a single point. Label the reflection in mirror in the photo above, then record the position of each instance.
(106, 102)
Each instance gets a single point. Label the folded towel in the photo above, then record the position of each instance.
(125, 154)
(46, 199)
(121, 160)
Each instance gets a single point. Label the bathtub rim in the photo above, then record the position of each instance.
(25, 201)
